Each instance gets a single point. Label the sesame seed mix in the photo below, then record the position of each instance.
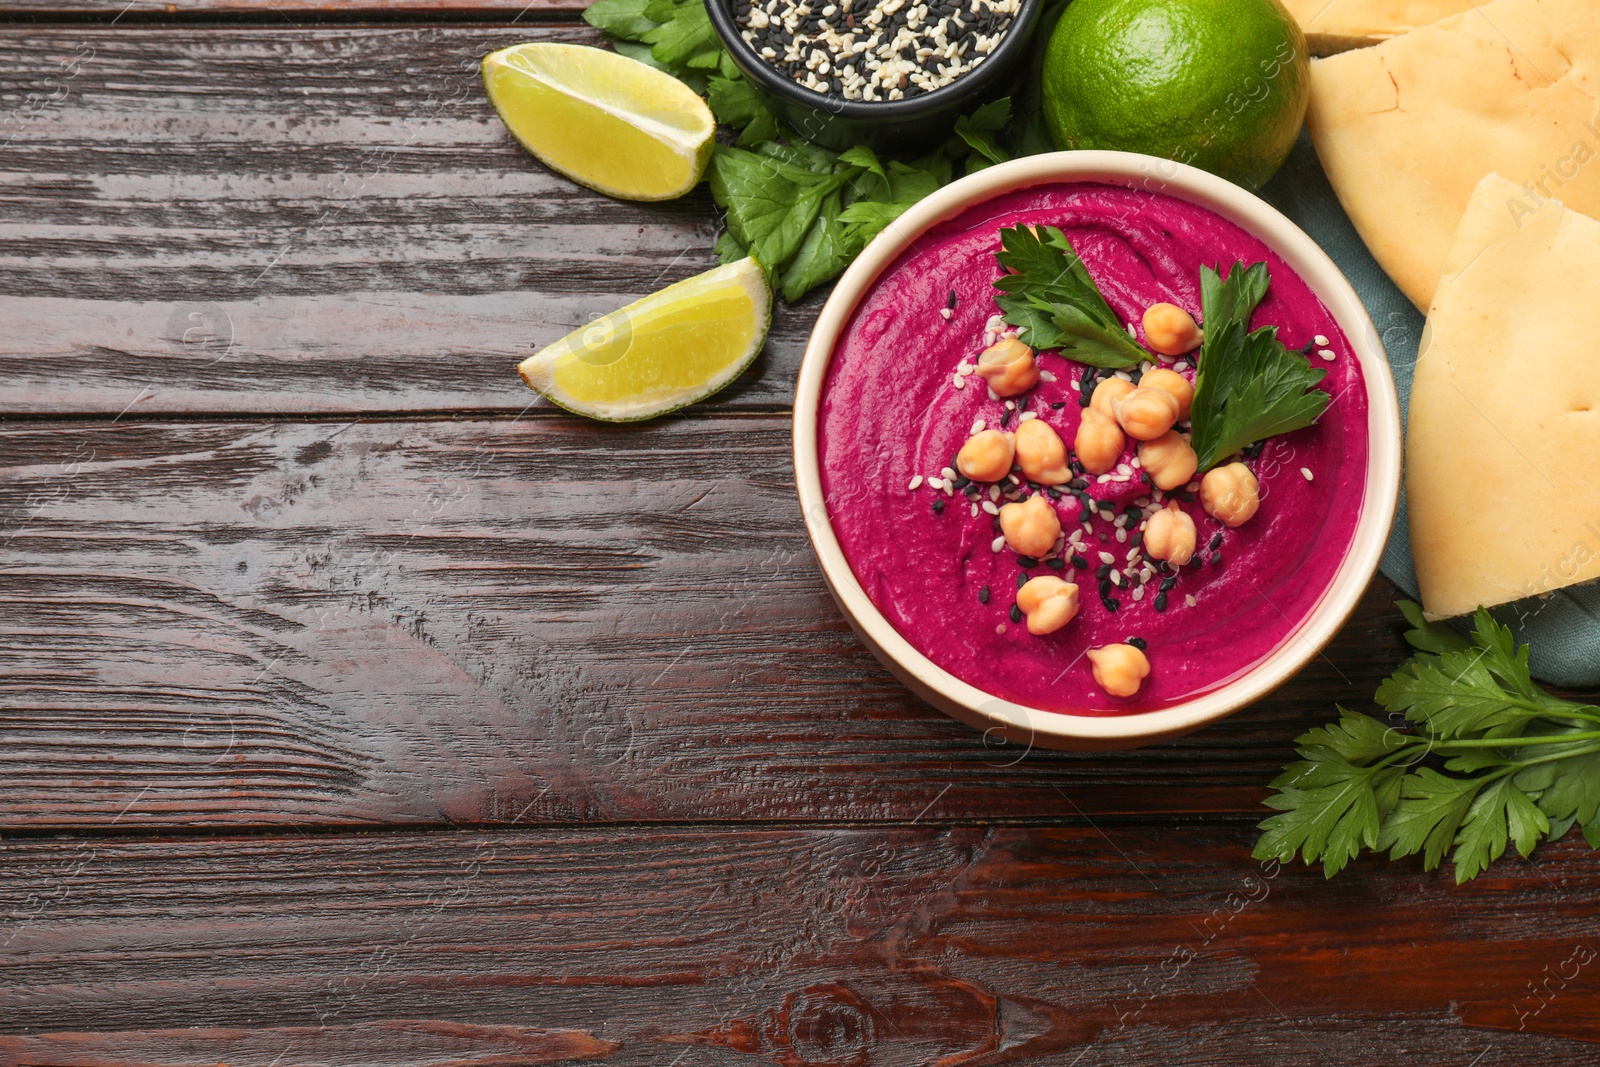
(884, 50)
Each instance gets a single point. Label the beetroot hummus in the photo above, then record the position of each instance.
(929, 553)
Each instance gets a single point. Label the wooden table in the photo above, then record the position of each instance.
(357, 710)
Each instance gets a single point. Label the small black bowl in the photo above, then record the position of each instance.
(889, 125)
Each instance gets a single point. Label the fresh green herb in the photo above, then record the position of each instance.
(1475, 758)
(1048, 296)
(1248, 386)
(802, 211)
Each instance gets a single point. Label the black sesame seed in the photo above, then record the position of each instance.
(1216, 542)
(962, 481)
(1016, 613)
(1057, 564)
(1051, 492)
(1083, 401)
(1113, 605)
(1168, 582)
(1022, 580)
(983, 595)
(1216, 559)
(1103, 571)
(1136, 538)
(1140, 643)
(1058, 405)
(938, 506)
(1185, 496)
(952, 301)
(1083, 516)
(1078, 485)
(1080, 563)
(1161, 602)
(1027, 562)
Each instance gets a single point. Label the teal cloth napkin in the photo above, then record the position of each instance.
(1562, 629)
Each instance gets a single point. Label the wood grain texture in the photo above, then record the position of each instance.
(283, 220)
(886, 946)
(534, 621)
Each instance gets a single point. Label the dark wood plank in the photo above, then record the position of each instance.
(291, 219)
(872, 946)
(535, 620)
(292, 11)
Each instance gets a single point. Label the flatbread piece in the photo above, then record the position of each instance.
(1406, 129)
(1335, 25)
(1503, 442)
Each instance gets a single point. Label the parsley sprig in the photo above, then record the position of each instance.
(1474, 758)
(804, 212)
(1048, 295)
(1248, 386)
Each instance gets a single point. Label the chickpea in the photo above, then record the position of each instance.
(1230, 494)
(1099, 442)
(1170, 381)
(1169, 460)
(1170, 330)
(1031, 527)
(1049, 603)
(1119, 669)
(1041, 454)
(986, 457)
(1008, 367)
(1147, 413)
(1170, 535)
(1107, 393)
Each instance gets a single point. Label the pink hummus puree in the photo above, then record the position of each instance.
(890, 412)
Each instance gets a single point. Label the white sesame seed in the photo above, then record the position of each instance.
(1307, 472)
(1124, 375)
(977, 426)
(947, 474)
(995, 324)
(1181, 365)
(1133, 554)
(1122, 536)
(1107, 558)
(1123, 468)
(949, 489)
(1000, 628)
(1122, 520)
(1011, 405)
(935, 482)
(1026, 415)
(1131, 332)
(1319, 339)
(1138, 593)
(1046, 376)
(993, 395)
(1077, 385)
(964, 367)
(1103, 479)
(989, 506)
(997, 544)
(1190, 600)
(1116, 579)
(960, 382)
(915, 482)
(974, 511)
(1326, 354)
(945, 313)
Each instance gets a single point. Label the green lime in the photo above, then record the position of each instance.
(1218, 84)
(674, 347)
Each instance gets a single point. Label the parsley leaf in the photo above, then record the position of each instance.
(1048, 295)
(1490, 762)
(807, 241)
(1248, 385)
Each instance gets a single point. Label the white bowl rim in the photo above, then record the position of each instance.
(1251, 214)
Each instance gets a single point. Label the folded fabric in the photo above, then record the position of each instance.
(1563, 628)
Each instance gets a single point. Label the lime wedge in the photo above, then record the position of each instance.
(660, 353)
(606, 121)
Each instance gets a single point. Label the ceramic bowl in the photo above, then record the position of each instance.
(888, 125)
(1029, 726)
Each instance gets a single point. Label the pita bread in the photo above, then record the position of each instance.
(1407, 128)
(1503, 446)
(1335, 25)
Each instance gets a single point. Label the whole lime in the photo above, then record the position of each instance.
(1218, 84)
